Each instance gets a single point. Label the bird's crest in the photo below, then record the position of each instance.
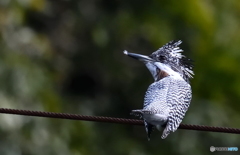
(171, 55)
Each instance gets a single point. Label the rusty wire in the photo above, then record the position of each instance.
(112, 120)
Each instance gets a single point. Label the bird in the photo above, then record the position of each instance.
(168, 98)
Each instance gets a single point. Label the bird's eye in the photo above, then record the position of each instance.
(161, 57)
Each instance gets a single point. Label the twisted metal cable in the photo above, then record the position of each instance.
(112, 120)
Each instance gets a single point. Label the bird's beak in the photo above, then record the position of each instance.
(139, 57)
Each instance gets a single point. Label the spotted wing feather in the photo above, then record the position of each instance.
(179, 98)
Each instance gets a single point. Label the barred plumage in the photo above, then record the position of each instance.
(168, 98)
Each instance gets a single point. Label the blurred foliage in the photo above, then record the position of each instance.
(66, 56)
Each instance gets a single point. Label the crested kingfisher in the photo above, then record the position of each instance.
(167, 99)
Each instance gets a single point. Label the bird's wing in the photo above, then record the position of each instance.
(178, 99)
(156, 92)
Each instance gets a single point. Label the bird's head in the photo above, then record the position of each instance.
(167, 61)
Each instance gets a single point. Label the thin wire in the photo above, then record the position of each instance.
(112, 120)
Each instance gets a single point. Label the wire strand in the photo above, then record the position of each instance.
(112, 120)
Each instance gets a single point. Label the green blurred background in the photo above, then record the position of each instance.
(66, 56)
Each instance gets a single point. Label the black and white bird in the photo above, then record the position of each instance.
(168, 97)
